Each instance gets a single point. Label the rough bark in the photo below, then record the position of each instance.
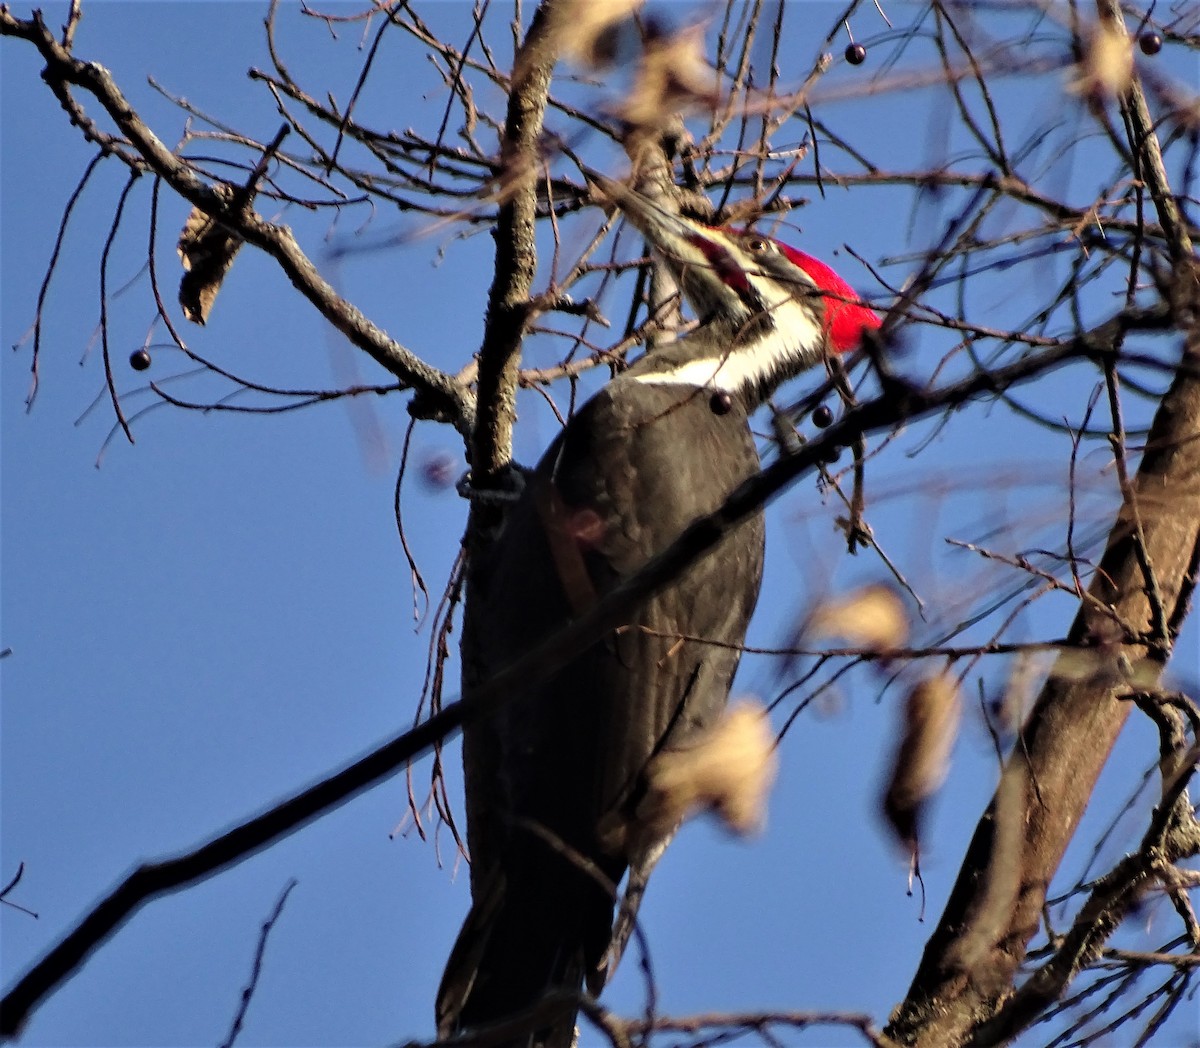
(516, 251)
(1137, 601)
(1145, 581)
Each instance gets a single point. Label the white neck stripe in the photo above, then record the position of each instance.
(794, 336)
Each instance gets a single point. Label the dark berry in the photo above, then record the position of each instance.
(856, 54)
(720, 402)
(1150, 43)
(139, 359)
(822, 416)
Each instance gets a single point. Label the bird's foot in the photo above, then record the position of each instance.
(505, 488)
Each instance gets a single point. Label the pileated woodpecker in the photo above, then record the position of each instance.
(554, 778)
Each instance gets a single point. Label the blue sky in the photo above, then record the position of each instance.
(222, 612)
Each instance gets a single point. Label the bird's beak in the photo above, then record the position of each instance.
(708, 264)
(664, 229)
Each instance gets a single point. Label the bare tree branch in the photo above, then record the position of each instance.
(1122, 233)
(1073, 725)
(162, 876)
(141, 149)
(516, 253)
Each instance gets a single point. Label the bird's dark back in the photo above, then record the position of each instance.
(554, 776)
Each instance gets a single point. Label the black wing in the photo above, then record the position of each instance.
(554, 777)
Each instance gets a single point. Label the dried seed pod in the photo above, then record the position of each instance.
(929, 726)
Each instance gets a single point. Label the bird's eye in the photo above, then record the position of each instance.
(757, 245)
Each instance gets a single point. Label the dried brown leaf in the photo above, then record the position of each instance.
(730, 771)
(673, 77)
(929, 727)
(207, 250)
(1105, 70)
(873, 617)
(584, 30)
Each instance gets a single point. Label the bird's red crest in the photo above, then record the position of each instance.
(845, 320)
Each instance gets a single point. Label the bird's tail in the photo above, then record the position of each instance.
(623, 928)
(523, 941)
(646, 853)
